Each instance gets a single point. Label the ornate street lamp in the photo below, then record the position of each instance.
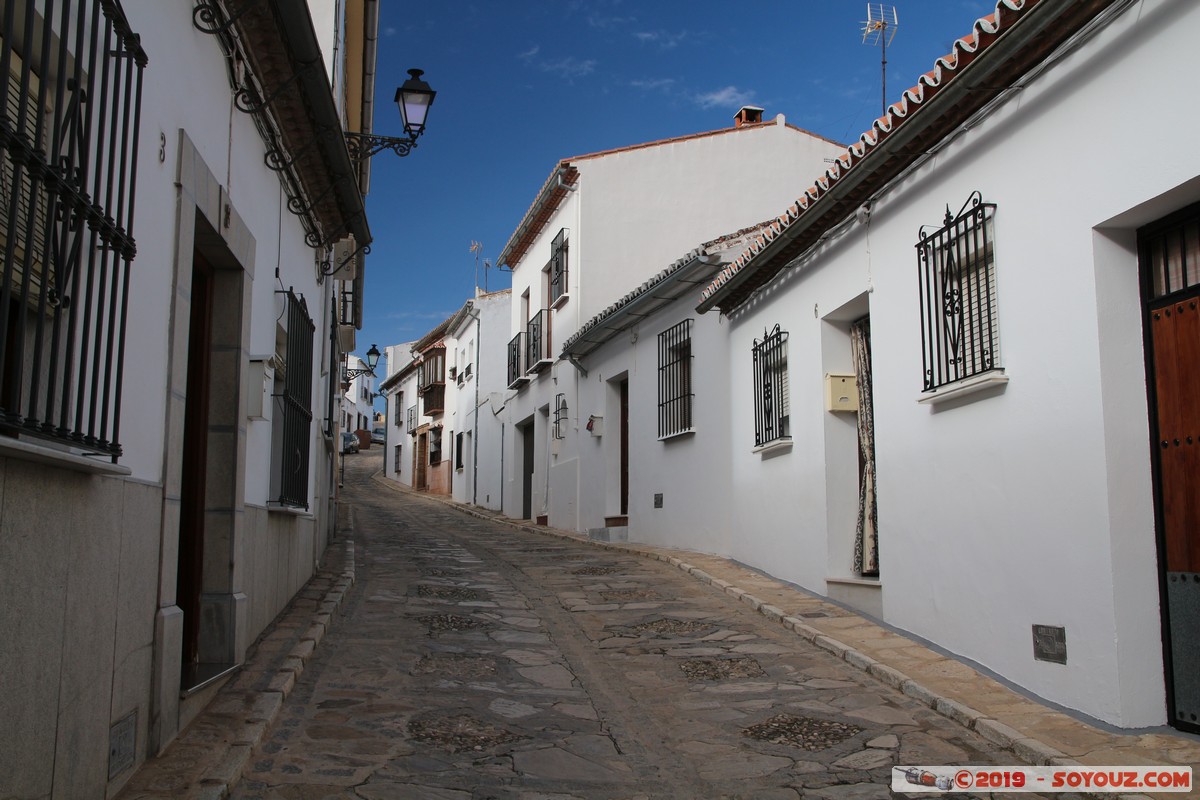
(414, 99)
(349, 374)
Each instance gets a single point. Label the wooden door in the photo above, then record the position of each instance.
(195, 463)
(1175, 341)
(624, 444)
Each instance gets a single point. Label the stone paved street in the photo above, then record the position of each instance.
(474, 660)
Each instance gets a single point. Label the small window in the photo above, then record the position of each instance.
(557, 269)
(771, 394)
(560, 416)
(398, 410)
(675, 380)
(458, 451)
(397, 452)
(957, 276)
(435, 446)
(412, 420)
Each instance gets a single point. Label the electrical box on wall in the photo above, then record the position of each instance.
(841, 392)
(595, 425)
(259, 378)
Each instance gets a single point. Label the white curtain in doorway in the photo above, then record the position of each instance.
(866, 543)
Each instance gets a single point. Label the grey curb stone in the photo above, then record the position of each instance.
(771, 612)
(919, 693)
(889, 675)
(860, 660)
(720, 584)
(1035, 752)
(701, 574)
(802, 629)
(751, 601)
(831, 645)
(963, 715)
(997, 732)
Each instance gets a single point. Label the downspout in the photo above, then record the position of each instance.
(475, 418)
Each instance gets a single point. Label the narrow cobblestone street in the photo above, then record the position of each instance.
(473, 660)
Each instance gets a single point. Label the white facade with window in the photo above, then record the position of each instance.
(1013, 468)
(145, 555)
(592, 236)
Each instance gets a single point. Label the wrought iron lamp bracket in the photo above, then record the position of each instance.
(207, 14)
(364, 145)
(326, 271)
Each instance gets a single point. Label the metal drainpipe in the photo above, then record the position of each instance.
(475, 430)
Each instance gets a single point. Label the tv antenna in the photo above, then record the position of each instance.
(879, 29)
(477, 248)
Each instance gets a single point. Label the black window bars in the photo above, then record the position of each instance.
(560, 416)
(293, 403)
(957, 285)
(71, 100)
(771, 401)
(558, 267)
(675, 379)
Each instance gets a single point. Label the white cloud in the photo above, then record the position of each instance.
(729, 97)
(569, 67)
(663, 39)
(530, 53)
(653, 85)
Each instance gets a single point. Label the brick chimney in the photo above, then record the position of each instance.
(747, 115)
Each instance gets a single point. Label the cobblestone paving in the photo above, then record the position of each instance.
(477, 661)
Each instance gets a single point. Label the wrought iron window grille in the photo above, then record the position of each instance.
(1171, 249)
(957, 288)
(293, 405)
(771, 391)
(68, 171)
(537, 341)
(412, 420)
(675, 380)
(396, 458)
(558, 268)
(516, 360)
(560, 416)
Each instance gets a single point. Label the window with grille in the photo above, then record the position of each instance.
(458, 451)
(435, 445)
(412, 420)
(560, 416)
(771, 395)
(957, 275)
(397, 452)
(398, 410)
(1171, 248)
(292, 420)
(675, 380)
(68, 146)
(558, 268)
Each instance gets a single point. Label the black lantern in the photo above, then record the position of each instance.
(349, 374)
(414, 98)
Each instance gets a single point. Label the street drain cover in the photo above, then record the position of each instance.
(456, 667)
(673, 627)
(627, 595)
(715, 669)
(595, 571)
(452, 622)
(447, 592)
(803, 732)
(459, 732)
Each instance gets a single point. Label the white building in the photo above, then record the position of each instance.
(168, 419)
(596, 230)
(356, 398)
(1016, 415)
(478, 341)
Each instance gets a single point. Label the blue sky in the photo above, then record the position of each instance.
(524, 83)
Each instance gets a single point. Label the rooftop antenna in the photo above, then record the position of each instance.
(477, 248)
(879, 29)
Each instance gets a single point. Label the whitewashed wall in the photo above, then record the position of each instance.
(1030, 505)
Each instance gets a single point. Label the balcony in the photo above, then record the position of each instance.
(516, 361)
(537, 342)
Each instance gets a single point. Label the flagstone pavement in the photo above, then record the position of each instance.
(443, 654)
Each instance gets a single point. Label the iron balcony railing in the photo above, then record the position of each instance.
(558, 268)
(294, 403)
(957, 285)
(537, 341)
(70, 96)
(516, 360)
(770, 387)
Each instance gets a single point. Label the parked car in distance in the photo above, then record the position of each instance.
(378, 436)
(349, 442)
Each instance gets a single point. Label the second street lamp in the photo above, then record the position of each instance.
(349, 374)
(414, 98)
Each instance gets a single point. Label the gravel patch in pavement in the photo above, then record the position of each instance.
(716, 669)
(807, 733)
(459, 732)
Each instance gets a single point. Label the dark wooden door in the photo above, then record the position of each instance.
(526, 471)
(1175, 340)
(195, 462)
(624, 448)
